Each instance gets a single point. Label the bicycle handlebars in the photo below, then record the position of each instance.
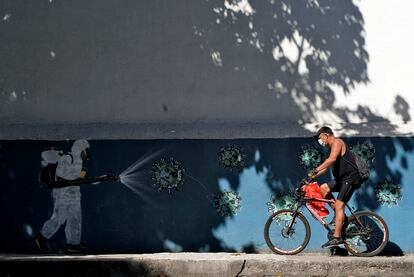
(305, 181)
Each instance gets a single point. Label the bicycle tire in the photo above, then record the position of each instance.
(280, 251)
(383, 226)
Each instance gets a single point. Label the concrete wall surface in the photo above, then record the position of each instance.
(205, 63)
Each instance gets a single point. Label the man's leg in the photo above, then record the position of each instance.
(339, 220)
(345, 192)
(324, 189)
(326, 193)
(339, 217)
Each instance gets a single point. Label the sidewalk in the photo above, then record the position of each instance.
(204, 264)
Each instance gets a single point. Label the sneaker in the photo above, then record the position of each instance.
(41, 243)
(75, 249)
(333, 243)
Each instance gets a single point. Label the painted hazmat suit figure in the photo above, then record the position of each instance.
(66, 200)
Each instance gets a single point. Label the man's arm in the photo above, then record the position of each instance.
(335, 152)
(319, 173)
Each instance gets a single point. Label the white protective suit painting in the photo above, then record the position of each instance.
(66, 200)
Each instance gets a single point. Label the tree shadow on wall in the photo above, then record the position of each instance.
(299, 50)
(303, 52)
(329, 53)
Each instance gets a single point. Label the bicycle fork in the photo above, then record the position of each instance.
(295, 214)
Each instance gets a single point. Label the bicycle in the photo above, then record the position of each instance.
(365, 233)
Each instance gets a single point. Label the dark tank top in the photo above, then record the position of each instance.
(342, 170)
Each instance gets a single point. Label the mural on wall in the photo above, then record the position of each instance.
(231, 157)
(64, 174)
(365, 150)
(228, 203)
(310, 156)
(282, 201)
(168, 174)
(388, 192)
(113, 216)
(133, 177)
(66, 199)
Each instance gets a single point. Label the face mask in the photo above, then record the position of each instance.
(321, 142)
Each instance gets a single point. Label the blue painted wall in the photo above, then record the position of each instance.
(115, 219)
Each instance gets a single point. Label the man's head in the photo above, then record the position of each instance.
(324, 135)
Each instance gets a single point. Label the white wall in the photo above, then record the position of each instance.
(157, 69)
(389, 40)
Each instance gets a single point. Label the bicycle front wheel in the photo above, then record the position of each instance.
(366, 234)
(287, 232)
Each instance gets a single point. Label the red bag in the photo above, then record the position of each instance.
(317, 208)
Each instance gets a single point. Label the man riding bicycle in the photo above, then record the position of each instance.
(346, 178)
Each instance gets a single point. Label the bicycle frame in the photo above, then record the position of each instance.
(304, 199)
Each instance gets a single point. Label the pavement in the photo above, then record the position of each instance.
(204, 264)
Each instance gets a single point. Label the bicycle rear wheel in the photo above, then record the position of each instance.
(366, 234)
(287, 232)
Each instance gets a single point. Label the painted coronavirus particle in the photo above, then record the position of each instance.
(227, 203)
(231, 157)
(282, 201)
(310, 156)
(388, 192)
(167, 174)
(365, 150)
